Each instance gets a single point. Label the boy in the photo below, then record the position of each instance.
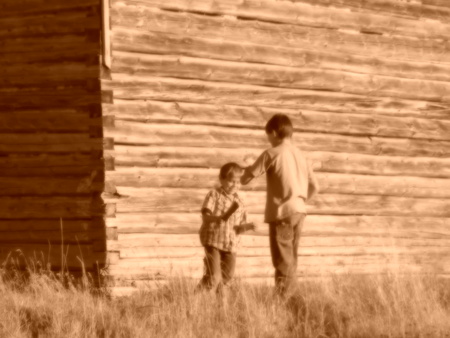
(219, 233)
(290, 183)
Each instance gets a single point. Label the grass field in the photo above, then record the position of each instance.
(386, 305)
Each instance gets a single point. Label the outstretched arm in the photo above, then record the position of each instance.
(256, 169)
(247, 177)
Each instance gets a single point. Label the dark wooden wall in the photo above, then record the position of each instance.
(51, 142)
(367, 86)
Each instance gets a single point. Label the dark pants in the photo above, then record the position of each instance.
(218, 269)
(284, 237)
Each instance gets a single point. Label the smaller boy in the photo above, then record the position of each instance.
(219, 233)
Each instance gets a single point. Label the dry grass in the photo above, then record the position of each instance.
(342, 306)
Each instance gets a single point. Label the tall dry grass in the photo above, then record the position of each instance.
(386, 305)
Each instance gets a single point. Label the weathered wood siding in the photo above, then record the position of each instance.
(367, 86)
(51, 142)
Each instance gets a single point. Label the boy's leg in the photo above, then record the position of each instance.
(284, 237)
(212, 270)
(297, 222)
(227, 265)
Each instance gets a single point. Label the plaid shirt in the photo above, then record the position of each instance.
(221, 235)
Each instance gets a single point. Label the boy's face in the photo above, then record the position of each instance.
(231, 185)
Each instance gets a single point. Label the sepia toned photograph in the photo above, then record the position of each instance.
(225, 168)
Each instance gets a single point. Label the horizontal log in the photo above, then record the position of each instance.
(54, 186)
(131, 200)
(355, 42)
(52, 120)
(256, 117)
(20, 7)
(48, 143)
(295, 13)
(72, 21)
(128, 241)
(169, 157)
(49, 98)
(441, 3)
(245, 253)
(314, 225)
(161, 134)
(253, 49)
(46, 75)
(329, 182)
(69, 256)
(51, 165)
(278, 76)
(51, 225)
(261, 266)
(410, 9)
(195, 91)
(51, 207)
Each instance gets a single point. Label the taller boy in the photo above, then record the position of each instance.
(290, 183)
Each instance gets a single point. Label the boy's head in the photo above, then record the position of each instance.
(278, 128)
(230, 177)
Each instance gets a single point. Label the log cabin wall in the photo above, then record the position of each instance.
(367, 86)
(51, 142)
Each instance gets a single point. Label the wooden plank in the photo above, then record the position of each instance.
(268, 51)
(195, 91)
(70, 21)
(329, 182)
(48, 143)
(161, 134)
(46, 75)
(278, 76)
(50, 225)
(45, 43)
(50, 207)
(106, 32)
(315, 225)
(53, 120)
(191, 157)
(58, 54)
(50, 165)
(51, 237)
(128, 241)
(132, 200)
(71, 256)
(21, 7)
(353, 42)
(295, 13)
(54, 186)
(31, 98)
(256, 117)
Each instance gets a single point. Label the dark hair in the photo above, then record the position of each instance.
(281, 125)
(230, 169)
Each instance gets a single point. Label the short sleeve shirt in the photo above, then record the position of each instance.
(221, 235)
(288, 176)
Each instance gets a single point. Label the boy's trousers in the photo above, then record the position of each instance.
(284, 237)
(219, 268)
